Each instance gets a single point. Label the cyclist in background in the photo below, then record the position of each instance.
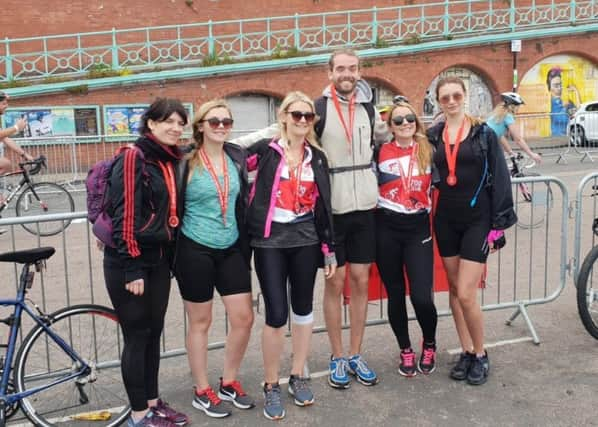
(5, 164)
(502, 120)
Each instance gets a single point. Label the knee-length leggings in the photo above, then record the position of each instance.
(141, 318)
(404, 244)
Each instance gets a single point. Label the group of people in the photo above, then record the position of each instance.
(335, 188)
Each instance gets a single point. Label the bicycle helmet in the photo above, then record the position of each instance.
(511, 98)
(400, 98)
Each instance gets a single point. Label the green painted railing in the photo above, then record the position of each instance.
(117, 52)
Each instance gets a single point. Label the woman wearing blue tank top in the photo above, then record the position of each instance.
(212, 252)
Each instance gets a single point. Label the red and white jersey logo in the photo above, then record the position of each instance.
(397, 171)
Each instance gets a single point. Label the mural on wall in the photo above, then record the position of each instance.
(553, 89)
(478, 101)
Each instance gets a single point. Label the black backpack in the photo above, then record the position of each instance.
(320, 105)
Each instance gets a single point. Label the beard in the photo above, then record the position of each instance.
(341, 91)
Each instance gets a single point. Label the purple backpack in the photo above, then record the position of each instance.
(98, 202)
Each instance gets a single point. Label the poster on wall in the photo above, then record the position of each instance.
(86, 121)
(553, 89)
(117, 121)
(63, 121)
(54, 121)
(122, 120)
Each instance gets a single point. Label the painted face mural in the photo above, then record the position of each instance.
(554, 88)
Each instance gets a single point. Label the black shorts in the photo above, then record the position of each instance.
(465, 239)
(355, 237)
(199, 269)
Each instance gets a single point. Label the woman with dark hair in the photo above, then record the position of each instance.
(474, 205)
(560, 109)
(403, 235)
(213, 253)
(142, 194)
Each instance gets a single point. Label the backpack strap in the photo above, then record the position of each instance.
(321, 107)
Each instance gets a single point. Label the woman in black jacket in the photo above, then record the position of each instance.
(290, 222)
(137, 273)
(213, 253)
(475, 204)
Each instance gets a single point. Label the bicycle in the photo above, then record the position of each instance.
(67, 368)
(38, 198)
(587, 287)
(532, 201)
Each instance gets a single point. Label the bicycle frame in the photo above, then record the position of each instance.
(14, 322)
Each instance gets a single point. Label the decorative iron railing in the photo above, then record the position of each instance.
(117, 52)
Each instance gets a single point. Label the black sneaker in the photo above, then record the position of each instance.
(478, 372)
(427, 361)
(461, 369)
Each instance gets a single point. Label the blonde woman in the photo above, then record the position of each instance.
(474, 205)
(290, 222)
(403, 236)
(502, 120)
(212, 253)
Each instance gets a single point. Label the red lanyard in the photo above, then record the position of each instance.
(296, 180)
(337, 106)
(222, 194)
(168, 172)
(451, 157)
(407, 180)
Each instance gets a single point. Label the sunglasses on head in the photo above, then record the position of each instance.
(445, 99)
(215, 122)
(398, 120)
(298, 115)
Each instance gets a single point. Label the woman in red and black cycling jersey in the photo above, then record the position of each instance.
(289, 219)
(403, 239)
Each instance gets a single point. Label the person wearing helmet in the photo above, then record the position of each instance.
(502, 119)
(384, 110)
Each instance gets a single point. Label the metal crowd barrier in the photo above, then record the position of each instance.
(584, 210)
(583, 132)
(523, 274)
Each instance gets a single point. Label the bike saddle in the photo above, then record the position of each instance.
(28, 256)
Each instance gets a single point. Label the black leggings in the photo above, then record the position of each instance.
(142, 320)
(404, 243)
(273, 267)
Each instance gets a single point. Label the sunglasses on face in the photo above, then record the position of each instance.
(398, 120)
(298, 115)
(457, 97)
(215, 122)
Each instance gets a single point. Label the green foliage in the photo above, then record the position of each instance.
(412, 39)
(280, 52)
(78, 90)
(381, 43)
(14, 83)
(99, 70)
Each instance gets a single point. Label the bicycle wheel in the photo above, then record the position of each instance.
(93, 333)
(51, 199)
(587, 293)
(533, 202)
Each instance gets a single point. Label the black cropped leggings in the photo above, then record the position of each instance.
(274, 266)
(404, 244)
(141, 319)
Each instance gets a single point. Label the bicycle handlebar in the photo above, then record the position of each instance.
(36, 165)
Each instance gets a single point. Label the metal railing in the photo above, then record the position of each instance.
(585, 209)
(114, 52)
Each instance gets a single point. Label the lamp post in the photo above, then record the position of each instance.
(515, 49)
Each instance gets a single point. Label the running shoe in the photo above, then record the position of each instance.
(164, 410)
(407, 364)
(273, 409)
(427, 361)
(207, 401)
(339, 376)
(461, 369)
(150, 420)
(478, 372)
(233, 392)
(299, 389)
(359, 367)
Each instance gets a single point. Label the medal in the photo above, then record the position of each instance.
(451, 156)
(168, 172)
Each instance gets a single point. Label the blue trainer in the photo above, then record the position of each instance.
(339, 376)
(359, 368)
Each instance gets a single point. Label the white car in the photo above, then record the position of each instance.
(583, 125)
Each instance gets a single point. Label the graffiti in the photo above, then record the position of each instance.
(555, 88)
